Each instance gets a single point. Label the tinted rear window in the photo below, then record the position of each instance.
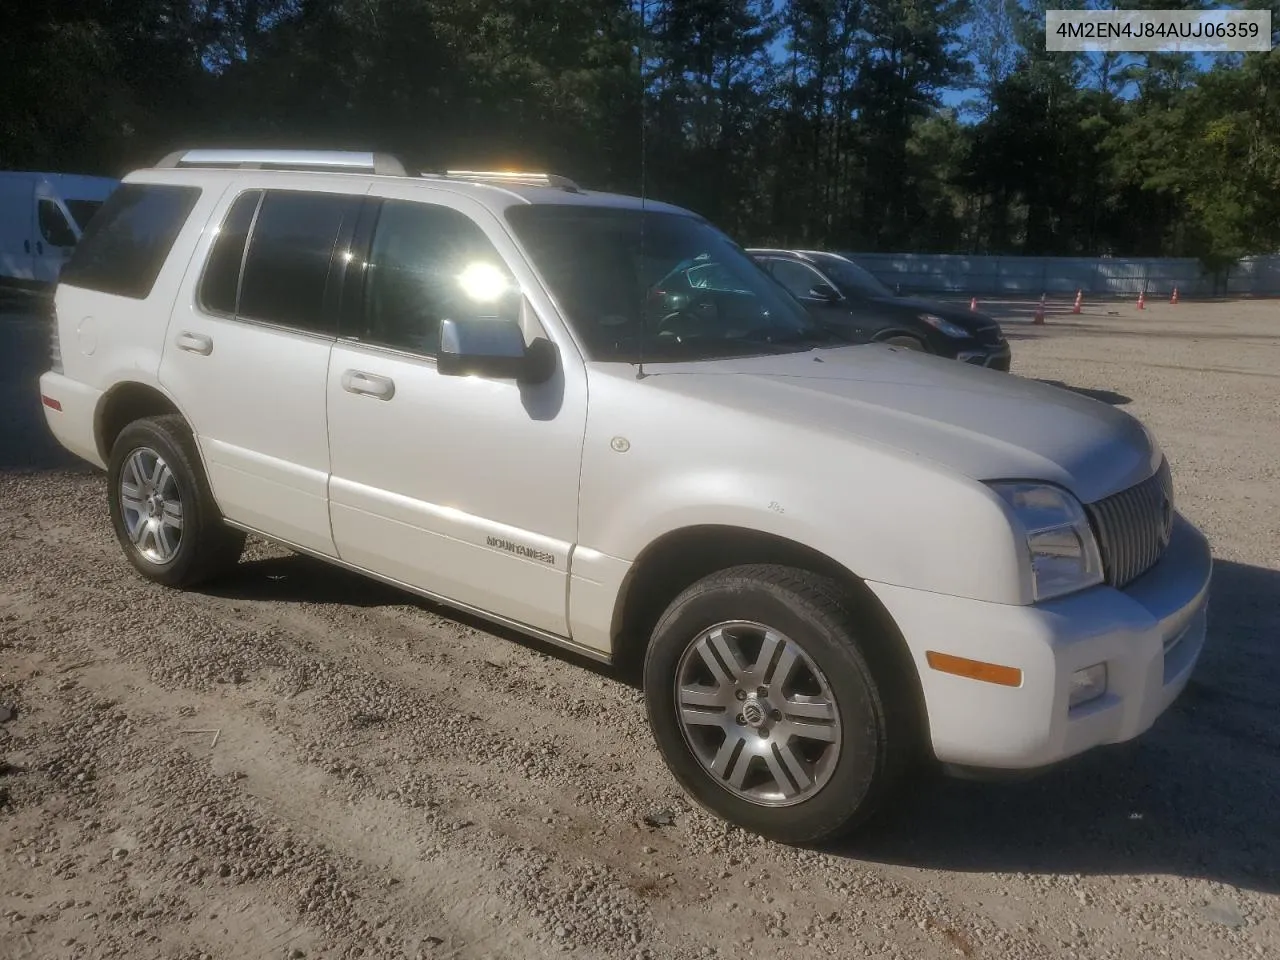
(128, 239)
(287, 268)
(83, 211)
(221, 280)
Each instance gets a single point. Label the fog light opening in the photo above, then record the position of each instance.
(1088, 684)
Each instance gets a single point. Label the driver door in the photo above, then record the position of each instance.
(462, 487)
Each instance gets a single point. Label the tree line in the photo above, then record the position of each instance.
(867, 125)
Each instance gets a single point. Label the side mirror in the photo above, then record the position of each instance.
(824, 292)
(493, 348)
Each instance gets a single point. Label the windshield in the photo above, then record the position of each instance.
(678, 289)
(850, 277)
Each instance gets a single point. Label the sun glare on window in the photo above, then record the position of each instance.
(483, 282)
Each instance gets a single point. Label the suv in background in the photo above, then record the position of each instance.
(849, 299)
(593, 418)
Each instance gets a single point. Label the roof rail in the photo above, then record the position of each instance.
(514, 177)
(383, 164)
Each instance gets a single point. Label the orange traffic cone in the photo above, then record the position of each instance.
(1079, 298)
(1174, 298)
(973, 303)
(1142, 300)
(1039, 318)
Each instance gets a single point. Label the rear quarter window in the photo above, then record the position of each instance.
(128, 239)
(220, 284)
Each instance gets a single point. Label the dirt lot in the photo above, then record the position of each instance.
(304, 764)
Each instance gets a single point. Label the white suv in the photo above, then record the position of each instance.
(595, 419)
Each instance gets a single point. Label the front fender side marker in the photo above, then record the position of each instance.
(975, 669)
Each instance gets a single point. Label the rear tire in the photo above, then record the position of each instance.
(161, 506)
(821, 732)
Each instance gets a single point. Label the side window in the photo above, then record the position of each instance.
(287, 269)
(428, 263)
(53, 224)
(221, 281)
(129, 238)
(796, 277)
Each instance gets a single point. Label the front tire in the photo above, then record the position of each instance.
(162, 509)
(771, 706)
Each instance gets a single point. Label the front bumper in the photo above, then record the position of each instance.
(1149, 635)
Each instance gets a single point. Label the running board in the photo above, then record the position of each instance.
(564, 643)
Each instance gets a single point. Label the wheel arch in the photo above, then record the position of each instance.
(685, 555)
(124, 403)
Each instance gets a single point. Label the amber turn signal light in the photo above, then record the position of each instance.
(975, 669)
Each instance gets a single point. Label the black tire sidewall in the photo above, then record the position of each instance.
(848, 796)
(164, 437)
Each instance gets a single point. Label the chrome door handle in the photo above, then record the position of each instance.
(368, 384)
(194, 343)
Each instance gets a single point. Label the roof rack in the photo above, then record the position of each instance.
(513, 177)
(383, 164)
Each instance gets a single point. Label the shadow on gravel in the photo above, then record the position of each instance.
(1197, 796)
(299, 579)
(1106, 396)
(302, 579)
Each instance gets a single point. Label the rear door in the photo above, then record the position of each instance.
(247, 356)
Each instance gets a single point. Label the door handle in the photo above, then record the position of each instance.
(39, 248)
(194, 343)
(368, 384)
(26, 246)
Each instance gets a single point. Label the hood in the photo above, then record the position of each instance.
(970, 320)
(984, 424)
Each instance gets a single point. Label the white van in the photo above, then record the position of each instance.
(42, 216)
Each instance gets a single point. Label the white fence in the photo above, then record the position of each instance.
(1098, 277)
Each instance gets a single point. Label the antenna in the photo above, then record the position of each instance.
(644, 93)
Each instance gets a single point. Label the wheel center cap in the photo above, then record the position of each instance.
(153, 506)
(754, 713)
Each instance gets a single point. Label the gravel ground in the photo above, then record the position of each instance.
(305, 764)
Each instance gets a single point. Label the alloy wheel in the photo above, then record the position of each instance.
(151, 505)
(758, 713)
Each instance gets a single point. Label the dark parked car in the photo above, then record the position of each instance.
(850, 300)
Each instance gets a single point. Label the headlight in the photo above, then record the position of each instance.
(1064, 551)
(945, 327)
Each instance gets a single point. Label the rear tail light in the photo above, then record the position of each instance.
(55, 346)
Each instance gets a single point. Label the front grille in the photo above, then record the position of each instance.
(1133, 527)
